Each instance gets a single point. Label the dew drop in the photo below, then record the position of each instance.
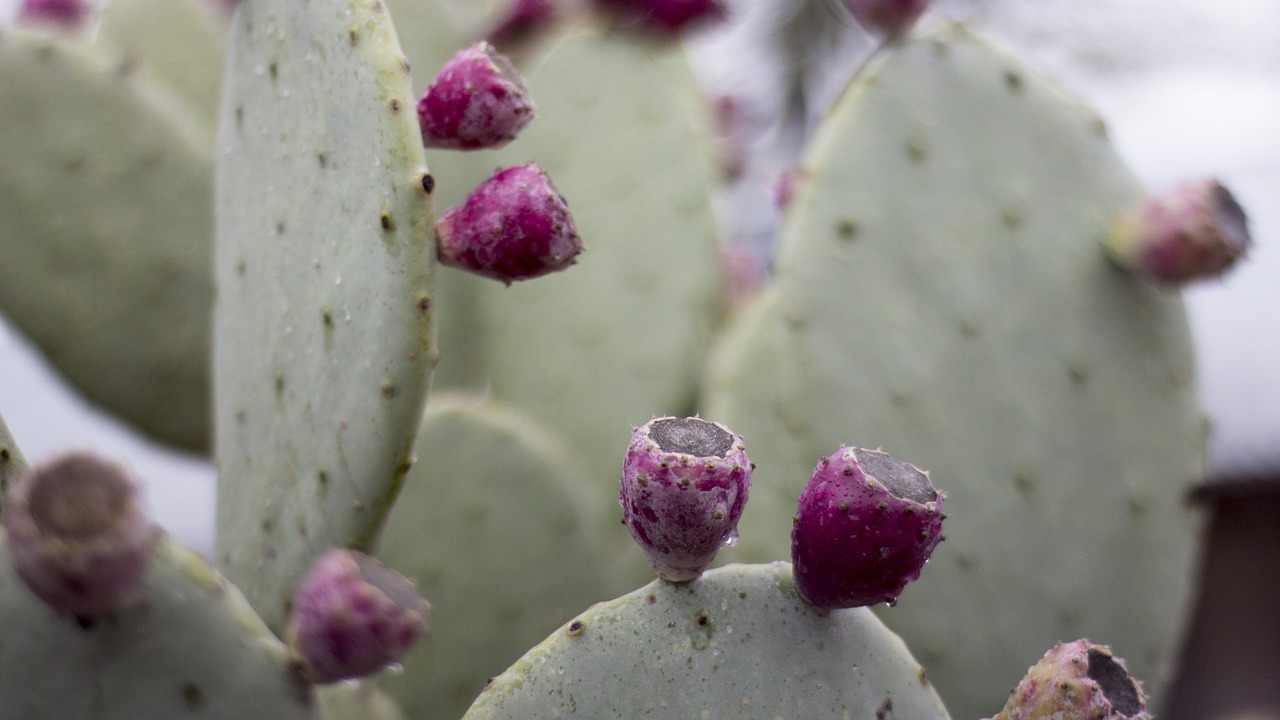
(732, 540)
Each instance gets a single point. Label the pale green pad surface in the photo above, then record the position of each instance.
(736, 643)
(941, 292)
(621, 336)
(323, 319)
(191, 648)
(355, 701)
(504, 535)
(105, 224)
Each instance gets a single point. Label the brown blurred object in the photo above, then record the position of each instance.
(1230, 663)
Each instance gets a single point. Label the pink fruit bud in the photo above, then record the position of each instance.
(67, 14)
(1077, 681)
(515, 226)
(79, 535)
(659, 18)
(353, 616)
(865, 526)
(684, 484)
(1197, 230)
(477, 101)
(523, 21)
(890, 18)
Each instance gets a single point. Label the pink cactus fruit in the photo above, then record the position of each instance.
(865, 526)
(522, 21)
(889, 18)
(784, 191)
(1197, 230)
(79, 535)
(477, 101)
(65, 14)
(353, 616)
(1077, 681)
(660, 18)
(514, 226)
(684, 484)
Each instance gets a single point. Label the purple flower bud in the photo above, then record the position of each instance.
(515, 226)
(353, 616)
(866, 524)
(1077, 681)
(79, 535)
(522, 22)
(1197, 230)
(684, 484)
(477, 101)
(66, 14)
(890, 18)
(662, 19)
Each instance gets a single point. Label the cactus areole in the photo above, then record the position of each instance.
(79, 535)
(684, 485)
(865, 526)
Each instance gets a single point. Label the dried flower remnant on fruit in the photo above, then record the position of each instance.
(1197, 230)
(477, 101)
(1077, 680)
(522, 22)
(889, 18)
(514, 226)
(353, 616)
(659, 18)
(864, 527)
(79, 535)
(684, 484)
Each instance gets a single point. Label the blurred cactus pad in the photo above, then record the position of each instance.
(240, 258)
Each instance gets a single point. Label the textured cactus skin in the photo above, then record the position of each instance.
(194, 648)
(105, 221)
(941, 293)
(12, 464)
(504, 533)
(738, 642)
(640, 201)
(324, 258)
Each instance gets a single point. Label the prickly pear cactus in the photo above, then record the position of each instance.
(323, 318)
(736, 643)
(191, 648)
(941, 292)
(105, 220)
(635, 313)
(504, 532)
(356, 701)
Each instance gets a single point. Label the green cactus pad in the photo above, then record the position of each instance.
(633, 317)
(105, 224)
(356, 701)
(180, 43)
(12, 463)
(323, 318)
(191, 648)
(736, 643)
(502, 532)
(941, 292)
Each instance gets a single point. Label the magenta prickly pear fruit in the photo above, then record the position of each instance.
(684, 484)
(66, 14)
(79, 535)
(353, 616)
(890, 18)
(660, 18)
(1077, 681)
(515, 226)
(1197, 230)
(477, 101)
(865, 526)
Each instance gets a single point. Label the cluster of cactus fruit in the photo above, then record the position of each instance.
(963, 311)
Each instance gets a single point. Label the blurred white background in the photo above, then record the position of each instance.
(1189, 88)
